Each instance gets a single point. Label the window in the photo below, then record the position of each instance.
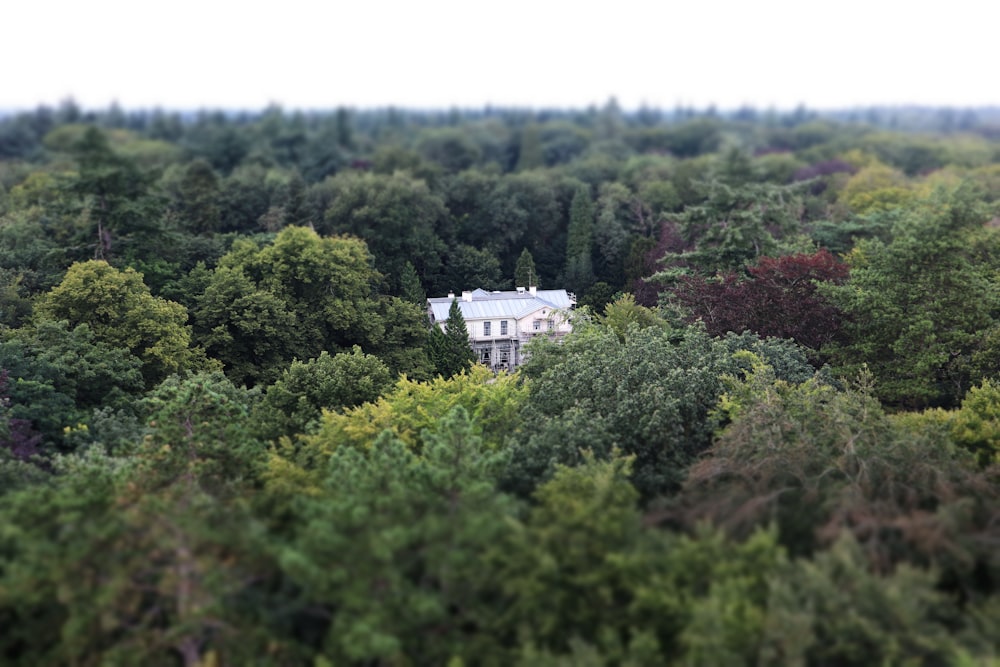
(486, 328)
(537, 324)
(503, 327)
(551, 324)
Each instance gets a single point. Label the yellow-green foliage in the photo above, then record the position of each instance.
(876, 187)
(411, 411)
(975, 426)
(414, 407)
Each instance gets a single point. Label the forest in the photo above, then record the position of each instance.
(229, 434)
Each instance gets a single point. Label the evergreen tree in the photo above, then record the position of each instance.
(579, 243)
(525, 274)
(410, 288)
(449, 350)
(530, 155)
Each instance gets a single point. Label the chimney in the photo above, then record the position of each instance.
(520, 290)
(466, 296)
(534, 290)
(451, 295)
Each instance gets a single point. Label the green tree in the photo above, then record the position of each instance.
(154, 571)
(834, 610)
(114, 196)
(411, 411)
(294, 403)
(737, 225)
(449, 349)
(396, 332)
(298, 296)
(529, 155)
(525, 274)
(817, 460)
(390, 549)
(411, 290)
(198, 195)
(523, 210)
(250, 329)
(58, 376)
(579, 273)
(120, 311)
(650, 392)
(398, 217)
(921, 307)
(471, 268)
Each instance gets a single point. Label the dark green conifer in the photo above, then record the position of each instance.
(449, 350)
(525, 274)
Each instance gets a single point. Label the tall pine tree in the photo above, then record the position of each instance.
(525, 274)
(579, 274)
(449, 349)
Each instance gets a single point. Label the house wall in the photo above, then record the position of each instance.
(523, 327)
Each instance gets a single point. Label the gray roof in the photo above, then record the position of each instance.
(500, 305)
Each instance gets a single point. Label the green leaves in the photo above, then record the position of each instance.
(296, 298)
(920, 307)
(395, 538)
(449, 350)
(293, 404)
(120, 311)
(648, 391)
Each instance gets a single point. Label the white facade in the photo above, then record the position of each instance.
(501, 323)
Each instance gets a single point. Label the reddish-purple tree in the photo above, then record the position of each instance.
(778, 297)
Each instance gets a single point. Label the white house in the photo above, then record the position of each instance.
(501, 323)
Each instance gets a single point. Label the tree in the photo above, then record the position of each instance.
(622, 314)
(294, 403)
(250, 329)
(649, 392)
(198, 196)
(397, 216)
(298, 296)
(120, 311)
(921, 308)
(579, 270)
(411, 290)
(154, 571)
(200, 435)
(737, 225)
(449, 349)
(529, 155)
(524, 210)
(396, 332)
(389, 551)
(778, 298)
(525, 274)
(470, 268)
(113, 194)
(411, 412)
(834, 610)
(451, 148)
(59, 376)
(817, 461)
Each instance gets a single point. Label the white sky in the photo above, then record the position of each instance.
(469, 53)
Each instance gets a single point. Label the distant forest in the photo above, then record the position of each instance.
(229, 434)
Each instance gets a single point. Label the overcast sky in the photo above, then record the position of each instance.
(467, 53)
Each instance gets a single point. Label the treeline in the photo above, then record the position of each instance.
(228, 434)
